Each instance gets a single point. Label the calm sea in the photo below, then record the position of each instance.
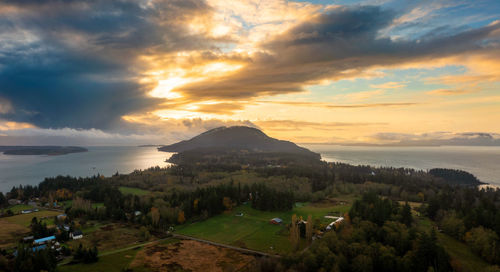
(484, 162)
(15, 170)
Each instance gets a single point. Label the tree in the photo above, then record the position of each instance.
(155, 216)
(309, 228)
(3, 200)
(294, 233)
(406, 217)
(181, 219)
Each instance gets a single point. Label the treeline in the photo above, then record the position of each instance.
(376, 236)
(469, 215)
(216, 157)
(163, 210)
(455, 176)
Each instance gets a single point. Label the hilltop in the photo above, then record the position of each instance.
(237, 138)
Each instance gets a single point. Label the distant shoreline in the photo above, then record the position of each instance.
(41, 150)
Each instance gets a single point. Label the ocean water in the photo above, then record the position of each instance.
(482, 161)
(16, 170)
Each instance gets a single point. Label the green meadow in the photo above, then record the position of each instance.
(253, 230)
(133, 191)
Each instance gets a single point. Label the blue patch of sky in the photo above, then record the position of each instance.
(414, 80)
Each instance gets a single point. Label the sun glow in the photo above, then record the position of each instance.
(165, 87)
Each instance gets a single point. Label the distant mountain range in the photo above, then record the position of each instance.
(41, 150)
(237, 138)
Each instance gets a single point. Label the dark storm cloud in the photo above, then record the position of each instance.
(75, 63)
(340, 44)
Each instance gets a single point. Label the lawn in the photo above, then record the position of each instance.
(133, 191)
(25, 219)
(113, 262)
(253, 230)
(18, 208)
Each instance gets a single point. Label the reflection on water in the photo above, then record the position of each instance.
(482, 161)
(15, 170)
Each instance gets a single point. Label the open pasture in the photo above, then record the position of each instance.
(254, 231)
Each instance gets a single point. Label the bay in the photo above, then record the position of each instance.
(481, 161)
(27, 169)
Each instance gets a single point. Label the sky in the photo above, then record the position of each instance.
(95, 72)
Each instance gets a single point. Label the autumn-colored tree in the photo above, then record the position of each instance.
(309, 228)
(181, 219)
(155, 216)
(294, 233)
(80, 204)
(195, 204)
(228, 204)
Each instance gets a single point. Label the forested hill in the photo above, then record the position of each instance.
(455, 177)
(238, 138)
(41, 150)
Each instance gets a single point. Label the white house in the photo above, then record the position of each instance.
(335, 223)
(77, 234)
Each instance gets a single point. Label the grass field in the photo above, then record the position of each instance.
(18, 208)
(133, 191)
(459, 252)
(253, 230)
(10, 233)
(108, 237)
(25, 219)
(110, 263)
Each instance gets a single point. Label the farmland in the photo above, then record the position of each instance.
(10, 233)
(108, 237)
(253, 230)
(109, 263)
(25, 219)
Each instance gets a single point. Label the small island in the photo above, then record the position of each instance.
(41, 150)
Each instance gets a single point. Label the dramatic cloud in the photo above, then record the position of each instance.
(333, 46)
(163, 70)
(81, 64)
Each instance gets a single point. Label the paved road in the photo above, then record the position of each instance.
(243, 250)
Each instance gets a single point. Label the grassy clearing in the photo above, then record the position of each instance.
(133, 191)
(108, 237)
(190, 255)
(114, 262)
(18, 208)
(10, 233)
(459, 252)
(25, 219)
(253, 230)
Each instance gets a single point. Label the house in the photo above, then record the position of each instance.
(28, 239)
(40, 247)
(276, 221)
(77, 234)
(14, 201)
(44, 240)
(335, 223)
(63, 227)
